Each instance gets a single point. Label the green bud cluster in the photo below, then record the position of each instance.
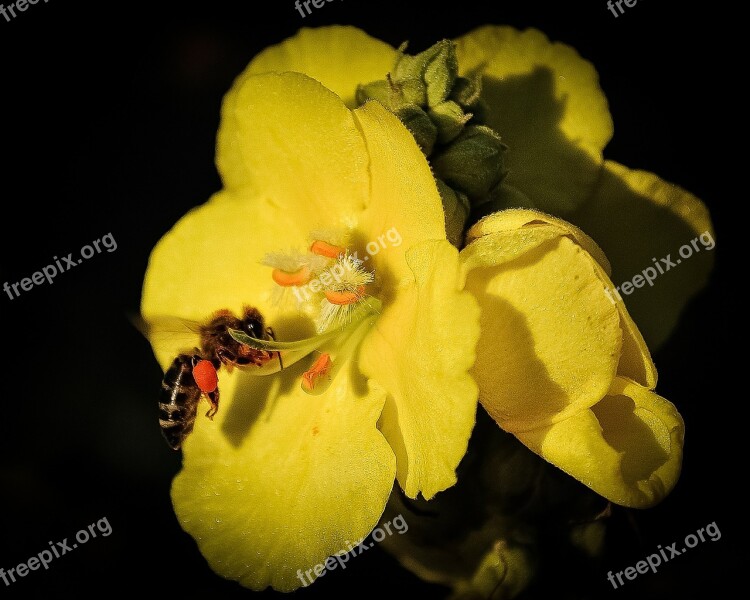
(445, 114)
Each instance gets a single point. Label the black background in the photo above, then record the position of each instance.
(108, 116)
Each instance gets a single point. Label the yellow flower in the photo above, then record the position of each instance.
(563, 367)
(281, 479)
(561, 364)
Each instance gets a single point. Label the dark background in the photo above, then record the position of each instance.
(108, 116)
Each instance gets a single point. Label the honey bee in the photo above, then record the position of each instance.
(195, 375)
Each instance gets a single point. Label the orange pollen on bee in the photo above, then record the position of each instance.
(322, 248)
(286, 279)
(344, 298)
(320, 368)
(205, 376)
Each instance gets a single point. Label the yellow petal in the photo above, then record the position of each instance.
(546, 104)
(290, 140)
(280, 480)
(340, 57)
(420, 352)
(635, 358)
(517, 218)
(637, 217)
(628, 447)
(551, 339)
(405, 207)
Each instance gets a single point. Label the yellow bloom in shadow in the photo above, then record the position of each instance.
(561, 365)
(282, 479)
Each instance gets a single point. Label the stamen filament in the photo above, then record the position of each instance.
(340, 351)
(292, 352)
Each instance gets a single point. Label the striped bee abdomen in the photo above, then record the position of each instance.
(178, 401)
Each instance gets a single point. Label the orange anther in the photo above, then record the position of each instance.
(319, 369)
(344, 298)
(325, 249)
(285, 279)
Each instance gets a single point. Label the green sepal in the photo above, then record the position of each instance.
(467, 93)
(420, 125)
(436, 67)
(473, 162)
(450, 120)
(393, 94)
(456, 208)
(380, 90)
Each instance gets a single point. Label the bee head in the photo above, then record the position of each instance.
(253, 323)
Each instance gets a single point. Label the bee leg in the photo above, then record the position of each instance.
(213, 398)
(222, 359)
(271, 335)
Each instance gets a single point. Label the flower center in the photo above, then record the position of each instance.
(329, 283)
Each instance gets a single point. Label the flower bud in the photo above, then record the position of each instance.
(380, 90)
(473, 162)
(467, 94)
(437, 67)
(456, 208)
(421, 127)
(450, 120)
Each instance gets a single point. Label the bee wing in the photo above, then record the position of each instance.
(181, 334)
